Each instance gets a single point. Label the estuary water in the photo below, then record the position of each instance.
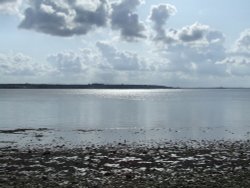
(112, 115)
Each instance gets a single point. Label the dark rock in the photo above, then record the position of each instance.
(46, 153)
(44, 178)
(129, 176)
(108, 174)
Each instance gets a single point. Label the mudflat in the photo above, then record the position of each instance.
(217, 163)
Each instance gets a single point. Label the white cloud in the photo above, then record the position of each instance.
(10, 6)
(243, 43)
(103, 57)
(197, 50)
(194, 50)
(120, 61)
(237, 59)
(21, 65)
(237, 65)
(75, 63)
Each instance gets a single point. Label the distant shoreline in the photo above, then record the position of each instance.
(102, 86)
(81, 86)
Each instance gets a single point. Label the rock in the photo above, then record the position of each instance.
(128, 176)
(44, 178)
(108, 174)
(46, 153)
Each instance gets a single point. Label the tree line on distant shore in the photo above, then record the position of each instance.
(81, 86)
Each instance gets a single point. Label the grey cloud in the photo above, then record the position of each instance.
(124, 18)
(97, 17)
(65, 18)
(198, 34)
(210, 68)
(195, 33)
(159, 15)
(213, 36)
(192, 33)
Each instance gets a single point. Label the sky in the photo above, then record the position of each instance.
(175, 43)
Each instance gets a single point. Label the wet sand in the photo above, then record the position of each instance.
(214, 163)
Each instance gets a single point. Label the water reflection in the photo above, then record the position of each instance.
(167, 113)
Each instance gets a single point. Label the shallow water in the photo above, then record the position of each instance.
(129, 114)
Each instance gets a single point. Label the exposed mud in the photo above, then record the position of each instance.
(168, 164)
(20, 131)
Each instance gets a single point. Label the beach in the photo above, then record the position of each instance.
(189, 163)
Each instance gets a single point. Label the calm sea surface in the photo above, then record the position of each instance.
(180, 113)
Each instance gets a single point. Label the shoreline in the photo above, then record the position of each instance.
(28, 137)
(215, 163)
(105, 86)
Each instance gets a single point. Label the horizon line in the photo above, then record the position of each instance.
(123, 84)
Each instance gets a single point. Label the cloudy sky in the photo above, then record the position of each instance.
(175, 42)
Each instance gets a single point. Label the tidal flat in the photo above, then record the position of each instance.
(189, 163)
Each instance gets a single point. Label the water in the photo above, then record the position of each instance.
(131, 114)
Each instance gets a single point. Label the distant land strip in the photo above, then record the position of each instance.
(102, 86)
(81, 86)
